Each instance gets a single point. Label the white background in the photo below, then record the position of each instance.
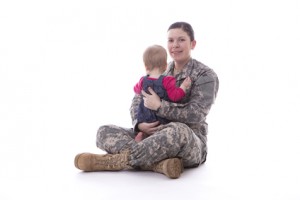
(67, 67)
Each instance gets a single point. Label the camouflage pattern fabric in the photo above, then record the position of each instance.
(185, 137)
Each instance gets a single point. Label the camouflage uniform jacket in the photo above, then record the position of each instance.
(194, 107)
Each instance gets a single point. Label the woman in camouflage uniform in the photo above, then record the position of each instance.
(170, 147)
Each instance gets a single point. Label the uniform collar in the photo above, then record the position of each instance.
(187, 70)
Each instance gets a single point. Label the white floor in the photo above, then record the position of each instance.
(56, 90)
(241, 165)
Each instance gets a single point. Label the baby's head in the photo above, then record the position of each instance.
(155, 56)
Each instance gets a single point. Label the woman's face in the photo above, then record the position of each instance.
(180, 45)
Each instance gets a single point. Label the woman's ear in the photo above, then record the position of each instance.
(193, 44)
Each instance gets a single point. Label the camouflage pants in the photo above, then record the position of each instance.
(171, 140)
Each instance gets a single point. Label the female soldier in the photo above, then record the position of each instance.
(171, 147)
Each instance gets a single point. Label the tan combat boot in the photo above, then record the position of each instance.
(108, 162)
(171, 167)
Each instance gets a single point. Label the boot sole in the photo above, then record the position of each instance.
(76, 161)
(173, 168)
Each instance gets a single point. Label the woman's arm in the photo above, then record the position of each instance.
(203, 93)
(134, 108)
(195, 110)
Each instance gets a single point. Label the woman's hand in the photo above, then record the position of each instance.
(152, 100)
(148, 128)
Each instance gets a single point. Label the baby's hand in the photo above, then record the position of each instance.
(186, 84)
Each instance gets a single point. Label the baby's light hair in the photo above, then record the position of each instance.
(155, 56)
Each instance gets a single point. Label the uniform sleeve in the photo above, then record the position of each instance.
(175, 94)
(133, 110)
(203, 93)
